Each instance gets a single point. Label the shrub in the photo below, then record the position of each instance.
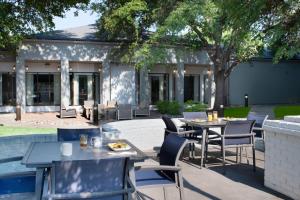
(194, 106)
(168, 107)
(281, 111)
(238, 112)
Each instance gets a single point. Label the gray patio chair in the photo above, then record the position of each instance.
(124, 111)
(237, 134)
(111, 108)
(142, 110)
(87, 108)
(259, 122)
(67, 112)
(16, 182)
(65, 134)
(168, 173)
(101, 111)
(105, 179)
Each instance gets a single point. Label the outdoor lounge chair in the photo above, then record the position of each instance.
(237, 134)
(65, 134)
(124, 111)
(67, 112)
(259, 122)
(168, 173)
(105, 179)
(101, 111)
(17, 183)
(88, 107)
(142, 110)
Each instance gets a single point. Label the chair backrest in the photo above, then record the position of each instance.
(144, 104)
(237, 128)
(259, 119)
(194, 115)
(171, 150)
(125, 107)
(64, 134)
(111, 104)
(105, 175)
(88, 103)
(170, 125)
(101, 108)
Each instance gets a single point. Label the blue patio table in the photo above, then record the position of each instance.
(40, 155)
(205, 125)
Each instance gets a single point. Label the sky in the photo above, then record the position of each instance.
(69, 21)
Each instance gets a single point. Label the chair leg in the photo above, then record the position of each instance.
(237, 155)
(180, 186)
(254, 162)
(247, 156)
(165, 193)
(223, 156)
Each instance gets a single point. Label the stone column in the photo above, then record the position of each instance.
(90, 87)
(75, 89)
(20, 83)
(106, 82)
(196, 88)
(56, 89)
(29, 89)
(211, 90)
(180, 83)
(144, 86)
(65, 82)
(202, 87)
(1, 101)
(161, 88)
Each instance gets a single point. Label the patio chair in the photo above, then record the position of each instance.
(124, 111)
(111, 108)
(87, 108)
(105, 179)
(66, 111)
(142, 110)
(16, 182)
(168, 173)
(259, 122)
(237, 134)
(65, 134)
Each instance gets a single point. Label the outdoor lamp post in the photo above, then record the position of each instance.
(246, 100)
(221, 112)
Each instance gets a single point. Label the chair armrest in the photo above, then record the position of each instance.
(258, 128)
(158, 167)
(17, 174)
(11, 159)
(238, 135)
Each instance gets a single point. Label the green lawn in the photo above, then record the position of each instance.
(281, 111)
(238, 112)
(8, 131)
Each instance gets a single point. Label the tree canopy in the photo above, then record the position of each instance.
(19, 18)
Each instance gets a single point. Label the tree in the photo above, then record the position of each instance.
(19, 18)
(233, 31)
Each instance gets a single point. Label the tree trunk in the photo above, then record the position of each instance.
(220, 93)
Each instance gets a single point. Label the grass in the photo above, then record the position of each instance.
(281, 111)
(238, 112)
(9, 131)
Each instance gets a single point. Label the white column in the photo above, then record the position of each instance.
(180, 83)
(20, 83)
(56, 89)
(1, 101)
(211, 90)
(161, 88)
(90, 87)
(65, 82)
(29, 89)
(75, 89)
(144, 86)
(105, 82)
(202, 88)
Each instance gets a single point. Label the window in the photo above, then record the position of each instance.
(42, 89)
(84, 86)
(7, 89)
(159, 84)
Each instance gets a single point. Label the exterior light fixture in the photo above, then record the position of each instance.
(208, 71)
(174, 71)
(27, 68)
(246, 98)
(14, 68)
(58, 68)
(99, 69)
(149, 70)
(71, 68)
(184, 71)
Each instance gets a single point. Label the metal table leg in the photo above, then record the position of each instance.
(203, 147)
(39, 179)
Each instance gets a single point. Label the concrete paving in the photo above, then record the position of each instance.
(264, 110)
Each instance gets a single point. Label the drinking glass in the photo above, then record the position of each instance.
(209, 116)
(215, 115)
(83, 140)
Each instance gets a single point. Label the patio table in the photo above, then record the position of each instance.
(40, 155)
(205, 125)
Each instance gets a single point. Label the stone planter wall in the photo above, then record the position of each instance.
(282, 156)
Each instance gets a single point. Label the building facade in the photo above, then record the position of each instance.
(68, 67)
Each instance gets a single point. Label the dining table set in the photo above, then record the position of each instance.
(41, 155)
